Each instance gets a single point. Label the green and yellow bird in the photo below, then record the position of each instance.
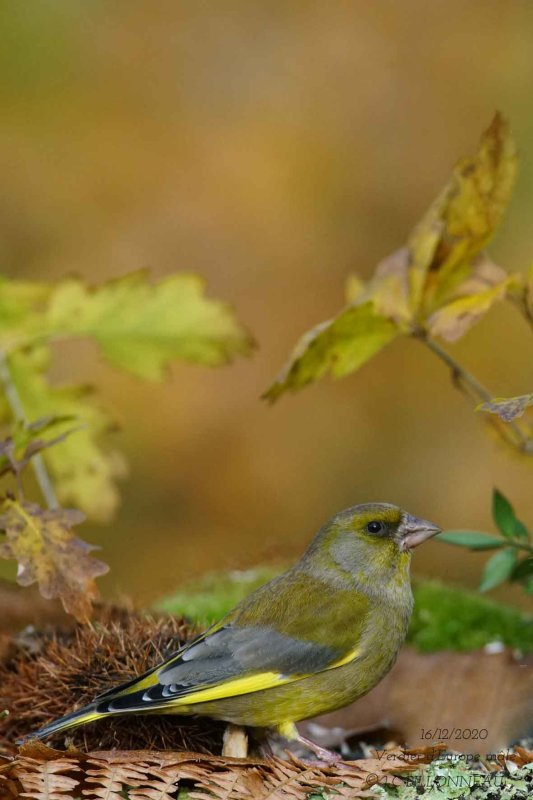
(310, 641)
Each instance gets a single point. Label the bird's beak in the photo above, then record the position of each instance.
(414, 531)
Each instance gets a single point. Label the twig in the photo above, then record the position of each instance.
(511, 432)
(15, 404)
(520, 545)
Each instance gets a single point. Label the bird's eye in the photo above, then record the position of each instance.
(374, 526)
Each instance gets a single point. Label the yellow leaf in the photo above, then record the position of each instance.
(83, 472)
(486, 284)
(354, 288)
(141, 327)
(462, 219)
(49, 554)
(339, 346)
(389, 288)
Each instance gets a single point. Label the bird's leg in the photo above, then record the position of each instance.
(324, 755)
(235, 742)
(289, 731)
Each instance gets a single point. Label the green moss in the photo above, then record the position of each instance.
(444, 618)
(214, 595)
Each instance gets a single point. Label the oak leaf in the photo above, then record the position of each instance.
(83, 469)
(49, 554)
(142, 327)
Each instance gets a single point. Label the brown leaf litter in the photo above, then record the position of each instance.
(45, 774)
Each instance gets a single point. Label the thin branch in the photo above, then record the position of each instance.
(15, 404)
(511, 432)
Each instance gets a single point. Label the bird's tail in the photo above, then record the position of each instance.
(81, 717)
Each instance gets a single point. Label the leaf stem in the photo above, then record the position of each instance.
(17, 409)
(511, 432)
(519, 544)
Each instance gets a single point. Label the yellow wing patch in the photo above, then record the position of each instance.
(249, 684)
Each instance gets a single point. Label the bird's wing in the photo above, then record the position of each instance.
(229, 661)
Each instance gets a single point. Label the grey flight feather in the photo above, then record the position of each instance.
(232, 652)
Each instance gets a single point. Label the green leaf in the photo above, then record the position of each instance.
(339, 346)
(505, 518)
(83, 471)
(523, 569)
(471, 539)
(498, 569)
(142, 327)
(507, 408)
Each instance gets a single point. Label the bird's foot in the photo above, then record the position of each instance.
(325, 757)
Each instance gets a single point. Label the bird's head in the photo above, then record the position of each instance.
(370, 541)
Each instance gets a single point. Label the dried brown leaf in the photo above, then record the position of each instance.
(108, 781)
(49, 554)
(46, 780)
(156, 775)
(507, 408)
(160, 783)
(521, 756)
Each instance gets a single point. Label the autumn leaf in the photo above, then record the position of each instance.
(486, 285)
(142, 327)
(463, 218)
(439, 283)
(339, 346)
(507, 408)
(388, 289)
(84, 471)
(49, 554)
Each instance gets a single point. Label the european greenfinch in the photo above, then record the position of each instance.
(308, 642)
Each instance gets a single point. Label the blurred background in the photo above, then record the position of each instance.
(273, 148)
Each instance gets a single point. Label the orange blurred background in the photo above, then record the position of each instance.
(272, 147)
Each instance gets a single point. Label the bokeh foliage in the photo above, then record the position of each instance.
(140, 327)
(437, 286)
